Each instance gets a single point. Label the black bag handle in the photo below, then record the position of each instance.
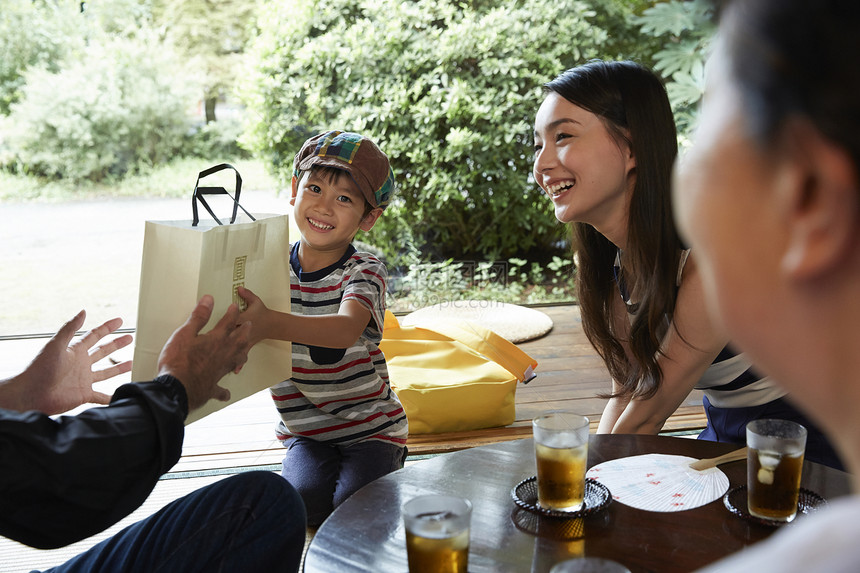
(201, 192)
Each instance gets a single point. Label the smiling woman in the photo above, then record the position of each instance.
(586, 171)
(619, 205)
(605, 145)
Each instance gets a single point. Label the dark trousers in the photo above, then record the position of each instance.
(730, 425)
(249, 522)
(326, 475)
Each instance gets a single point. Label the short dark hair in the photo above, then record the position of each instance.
(797, 58)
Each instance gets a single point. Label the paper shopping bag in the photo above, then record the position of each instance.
(182, 261)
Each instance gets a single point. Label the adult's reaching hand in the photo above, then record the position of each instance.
(199, 361)
(61, 376)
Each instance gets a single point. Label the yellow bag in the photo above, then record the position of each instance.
(453, 375)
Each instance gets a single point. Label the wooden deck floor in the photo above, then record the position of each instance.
(570, 375)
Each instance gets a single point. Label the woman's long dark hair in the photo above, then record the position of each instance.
(633, 105)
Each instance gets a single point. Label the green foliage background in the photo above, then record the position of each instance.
(30, 37)
(685, 29)
(109, 113)
(98, 93)
(447, 88)
(211, 36)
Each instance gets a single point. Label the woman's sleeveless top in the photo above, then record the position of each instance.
(730, 381)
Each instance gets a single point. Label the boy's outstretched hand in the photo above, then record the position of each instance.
(255, 312)
(61, 376)
(337, 330)
(199, 361)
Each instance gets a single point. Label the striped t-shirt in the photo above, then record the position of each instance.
(340, 396)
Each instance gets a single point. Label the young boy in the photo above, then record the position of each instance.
(342, 425)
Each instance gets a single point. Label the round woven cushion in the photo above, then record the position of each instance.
(510, 321)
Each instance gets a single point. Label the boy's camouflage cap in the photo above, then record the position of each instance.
(357, 155)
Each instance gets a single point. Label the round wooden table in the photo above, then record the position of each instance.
(366, 533)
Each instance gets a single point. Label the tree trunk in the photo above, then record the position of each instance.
(210, 108)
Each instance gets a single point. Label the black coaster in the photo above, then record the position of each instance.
(735, 501)
(597, 497)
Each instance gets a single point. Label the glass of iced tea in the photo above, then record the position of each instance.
(437, 533)
(561, 452)
(774, 464)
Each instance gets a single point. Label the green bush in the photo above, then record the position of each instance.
(448, 89)
(685, 29)
(121, 106)
(218, 140)
(33, 34)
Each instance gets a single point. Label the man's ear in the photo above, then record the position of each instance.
(370, 219)
(817, 189)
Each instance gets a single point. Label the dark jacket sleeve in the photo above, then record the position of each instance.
(65, 479)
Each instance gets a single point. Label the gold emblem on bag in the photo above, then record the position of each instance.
(239, 280)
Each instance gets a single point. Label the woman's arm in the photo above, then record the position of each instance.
(613, 410)
(689, 347)
(615, 406)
